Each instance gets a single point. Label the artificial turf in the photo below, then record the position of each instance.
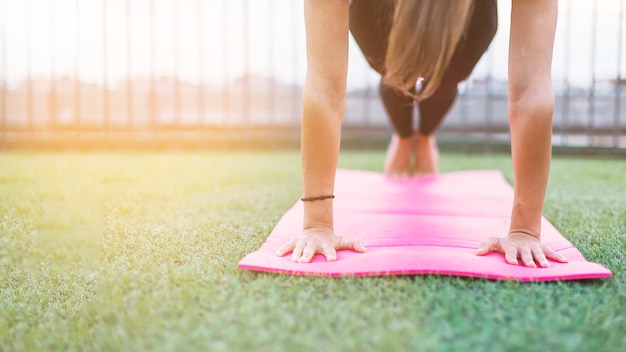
(138, 251)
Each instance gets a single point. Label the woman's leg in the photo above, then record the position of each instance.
(432, 111)
(370, 24)
(480, 32)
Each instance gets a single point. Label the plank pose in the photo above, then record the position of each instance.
(438, 41)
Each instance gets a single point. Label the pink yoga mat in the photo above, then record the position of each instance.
(430, 225)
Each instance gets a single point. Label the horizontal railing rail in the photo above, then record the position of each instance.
(118, 71)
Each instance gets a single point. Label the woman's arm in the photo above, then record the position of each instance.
(531, 104)
(324, 100)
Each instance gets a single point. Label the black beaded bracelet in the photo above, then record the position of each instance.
(310, 199)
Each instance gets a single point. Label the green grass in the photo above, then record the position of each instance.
(113, 252)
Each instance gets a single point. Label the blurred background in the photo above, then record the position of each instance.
(229, 73)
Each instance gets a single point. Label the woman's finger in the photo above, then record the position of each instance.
(358, 246)
(350, 243)
(307, 254)
(297, 252)
(540, 258)
(286, 248)
(553, 255)
(330, 253)
(527, 258)
(486, 247)
(510, 255)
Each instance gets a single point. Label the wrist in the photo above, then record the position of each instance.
(318, 214)
(526, 219)
(525, 233)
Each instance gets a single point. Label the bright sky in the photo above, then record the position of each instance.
(275, 28)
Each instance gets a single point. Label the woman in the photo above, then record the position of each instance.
(424, 50)
(370, 24)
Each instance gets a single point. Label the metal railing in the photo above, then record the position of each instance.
(118, 71)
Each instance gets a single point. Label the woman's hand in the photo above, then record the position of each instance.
(518, 245)
(318, 240)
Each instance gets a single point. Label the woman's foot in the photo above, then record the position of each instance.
(426, 155)
(398, 157)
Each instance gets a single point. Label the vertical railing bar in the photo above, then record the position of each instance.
(225, 66)
(129, 80)
(464, 102)
(368, 107)
(201, 113)
(152, 99)
(29, 78)
(294, 78)
(487, 147)
(618, 85)
(271, 108)
(52, 113)
(177, 118)
(565, 99)
(4, 72)
(246, 63)
(77, 87)
(592, 90)
(105, 69)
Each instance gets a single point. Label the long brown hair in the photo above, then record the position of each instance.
(423, 38)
